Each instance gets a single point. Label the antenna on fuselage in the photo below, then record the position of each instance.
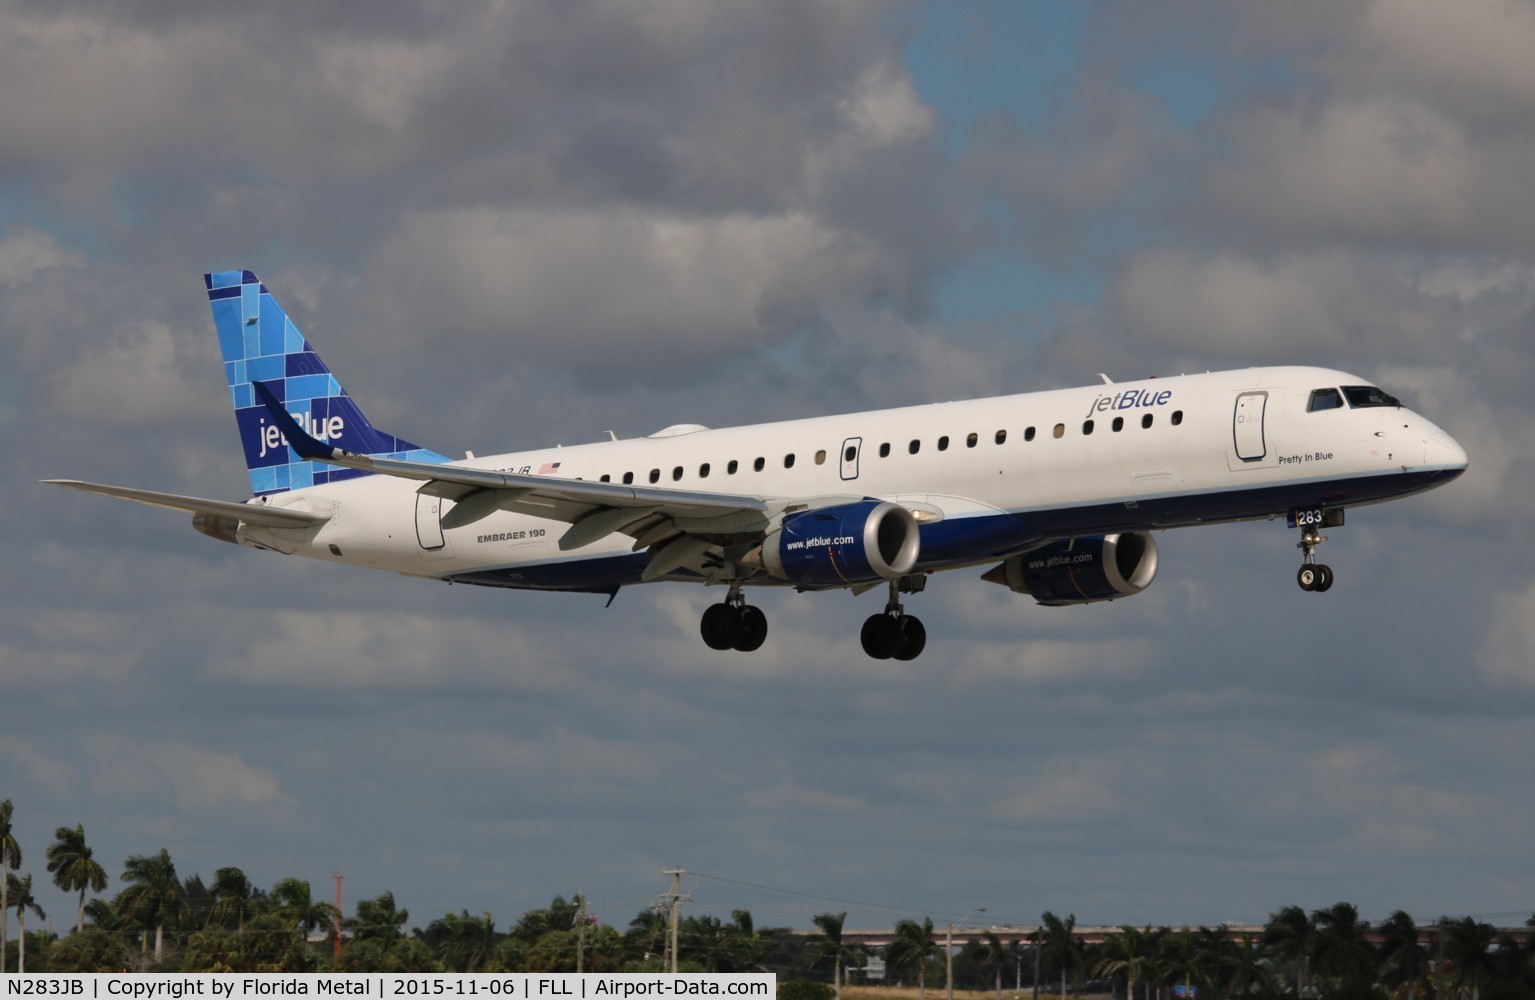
(1106, 379)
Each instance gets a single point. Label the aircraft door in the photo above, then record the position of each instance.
(850, 449)
(429, 524)
(1248, 426)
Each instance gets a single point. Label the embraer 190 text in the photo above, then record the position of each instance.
(1056, 493)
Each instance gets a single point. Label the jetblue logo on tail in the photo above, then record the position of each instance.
(328, 429)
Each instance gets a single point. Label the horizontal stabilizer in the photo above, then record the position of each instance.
(271, 517)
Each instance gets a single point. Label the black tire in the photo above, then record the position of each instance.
(881, 636)
(1307, 577)
(913, 638)
(721, 626)
(753, 629)
(1324, 579)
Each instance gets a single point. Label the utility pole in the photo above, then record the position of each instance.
(337, 951)
(674, 903)
(948, 952)
(581, 933)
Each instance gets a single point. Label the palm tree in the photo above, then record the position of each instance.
(295, 903)
(1467, 946)
(913, 943)
(461, 941)
(1288, 935)
(234, 899)
(1060, 946)
(1127, 952)
(990, 951)
(153, 896)
(829, 944)
(378, 920)
(73, 868)
(1339, 948)
(1402, 958)
(10, 857)
(1247, 968)
(19, 898)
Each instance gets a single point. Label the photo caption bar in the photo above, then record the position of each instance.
(388, 985)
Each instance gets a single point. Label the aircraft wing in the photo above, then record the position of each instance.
(271, 517)
(594, 510)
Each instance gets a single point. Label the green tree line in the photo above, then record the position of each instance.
(160, 921)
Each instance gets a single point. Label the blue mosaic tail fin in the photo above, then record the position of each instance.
(260, 343)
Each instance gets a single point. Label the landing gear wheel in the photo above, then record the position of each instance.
(881, 636)
(1312, 576)
(913, 638)
(722, 626)
(753, 629)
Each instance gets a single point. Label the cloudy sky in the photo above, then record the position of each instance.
(511, 223)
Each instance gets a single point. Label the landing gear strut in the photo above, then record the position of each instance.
(893, 634)
(734, 624)
(1312, 576)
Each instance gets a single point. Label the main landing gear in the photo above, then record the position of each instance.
(893, 634)
(734, 624)
(1312, 576)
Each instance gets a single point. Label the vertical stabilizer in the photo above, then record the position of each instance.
(260, 343)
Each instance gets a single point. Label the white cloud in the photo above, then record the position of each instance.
(24, 251)
(627, 286)
(1507, 654)
(205, 780)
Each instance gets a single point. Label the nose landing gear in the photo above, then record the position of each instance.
(1312, 576)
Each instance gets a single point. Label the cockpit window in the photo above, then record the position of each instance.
(1324, 399)
(1368, 395)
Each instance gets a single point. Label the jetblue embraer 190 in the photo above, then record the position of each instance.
(1054, 494)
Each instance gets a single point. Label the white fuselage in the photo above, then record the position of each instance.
(986, 478)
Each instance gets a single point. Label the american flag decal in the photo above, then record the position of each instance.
(548, 468)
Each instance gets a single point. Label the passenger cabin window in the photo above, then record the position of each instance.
(605, 479)
(850, 454)
(1001, 436)
(1119, 424)
(703, 471)
(759, 464)
(655, 475)
(1177, 417)
(628, 479)
(970, 441)
(1059, 431)
(1360, 396)
(1146, 420)
(731, 467)
(884, 450)
(788, 461)
(914, 447)
(1324, 399)
(943, 443)
(820, 457)
(1028, 434)
(1087, 427)
(676, 473)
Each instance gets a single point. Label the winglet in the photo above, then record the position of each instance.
(297, 438)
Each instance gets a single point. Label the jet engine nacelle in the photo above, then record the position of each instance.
(847, 544)
(1082, 570)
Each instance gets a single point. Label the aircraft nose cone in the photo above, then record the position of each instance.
(1444, 452)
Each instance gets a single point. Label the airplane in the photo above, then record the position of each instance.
(1056, 495)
